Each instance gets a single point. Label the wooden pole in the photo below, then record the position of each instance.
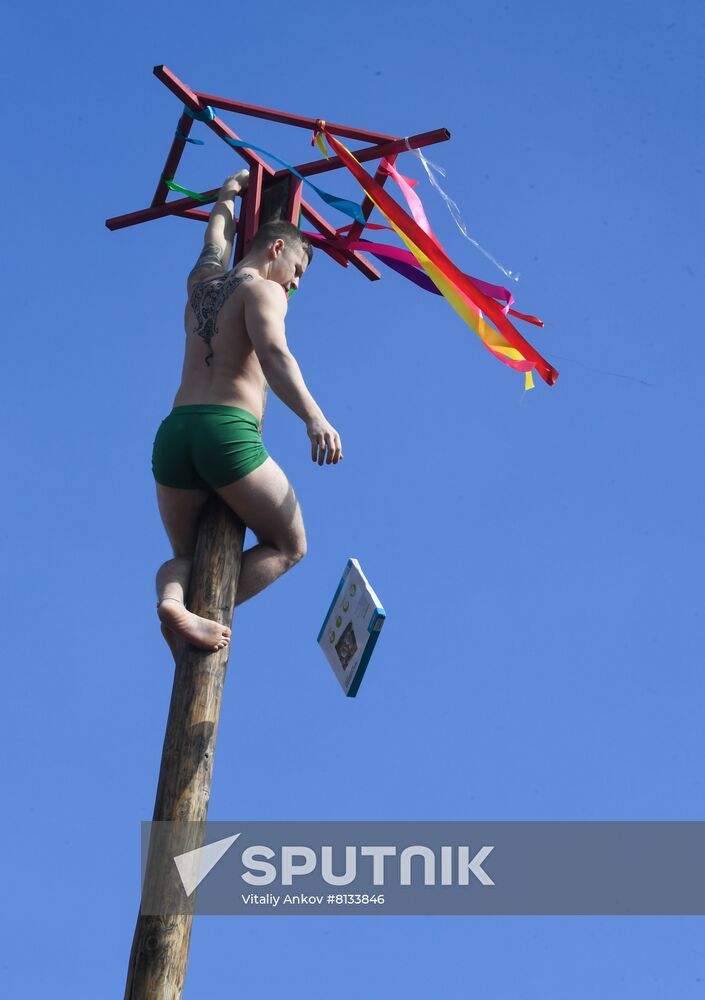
(159, 955)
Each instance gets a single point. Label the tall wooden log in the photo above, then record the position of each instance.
(159, 956)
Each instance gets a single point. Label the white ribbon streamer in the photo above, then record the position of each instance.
(429, 166)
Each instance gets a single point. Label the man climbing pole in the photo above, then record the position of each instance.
(211, 441)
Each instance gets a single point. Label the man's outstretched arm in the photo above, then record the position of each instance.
(265, 308)
(220, 231)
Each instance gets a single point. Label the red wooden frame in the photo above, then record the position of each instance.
(388, 146)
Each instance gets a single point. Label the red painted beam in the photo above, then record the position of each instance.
(176, 207)
(372, 152)
(294, 206)
(172, 160)
(254, 203)
(298, 121)
(249, 216)
(196, 214)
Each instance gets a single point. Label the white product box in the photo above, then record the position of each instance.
(350, 629)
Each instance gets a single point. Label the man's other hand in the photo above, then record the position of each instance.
(325, 441)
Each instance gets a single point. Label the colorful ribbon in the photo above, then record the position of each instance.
(412, 199)
(185, 138)
(318, 139)
(205, 198)
(207, 115)
(505, 342)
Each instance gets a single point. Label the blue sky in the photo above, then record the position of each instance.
(539, 556)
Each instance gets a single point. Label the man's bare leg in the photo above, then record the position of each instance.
(180, 511)
(265, 501)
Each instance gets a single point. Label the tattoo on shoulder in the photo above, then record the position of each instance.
(208, 298)
(210, 256)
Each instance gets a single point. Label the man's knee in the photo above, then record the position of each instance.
(295, 550)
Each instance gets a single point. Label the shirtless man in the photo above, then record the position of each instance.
(210, 442)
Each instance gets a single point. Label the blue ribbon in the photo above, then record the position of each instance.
(349, 208)
(180, 135)
(207, 115)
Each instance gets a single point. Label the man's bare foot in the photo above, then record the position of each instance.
(198, 631)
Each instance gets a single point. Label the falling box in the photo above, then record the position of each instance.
(349, 632)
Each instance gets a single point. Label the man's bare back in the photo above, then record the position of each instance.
(220, 363)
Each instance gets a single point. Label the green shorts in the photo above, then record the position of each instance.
(206, 445)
